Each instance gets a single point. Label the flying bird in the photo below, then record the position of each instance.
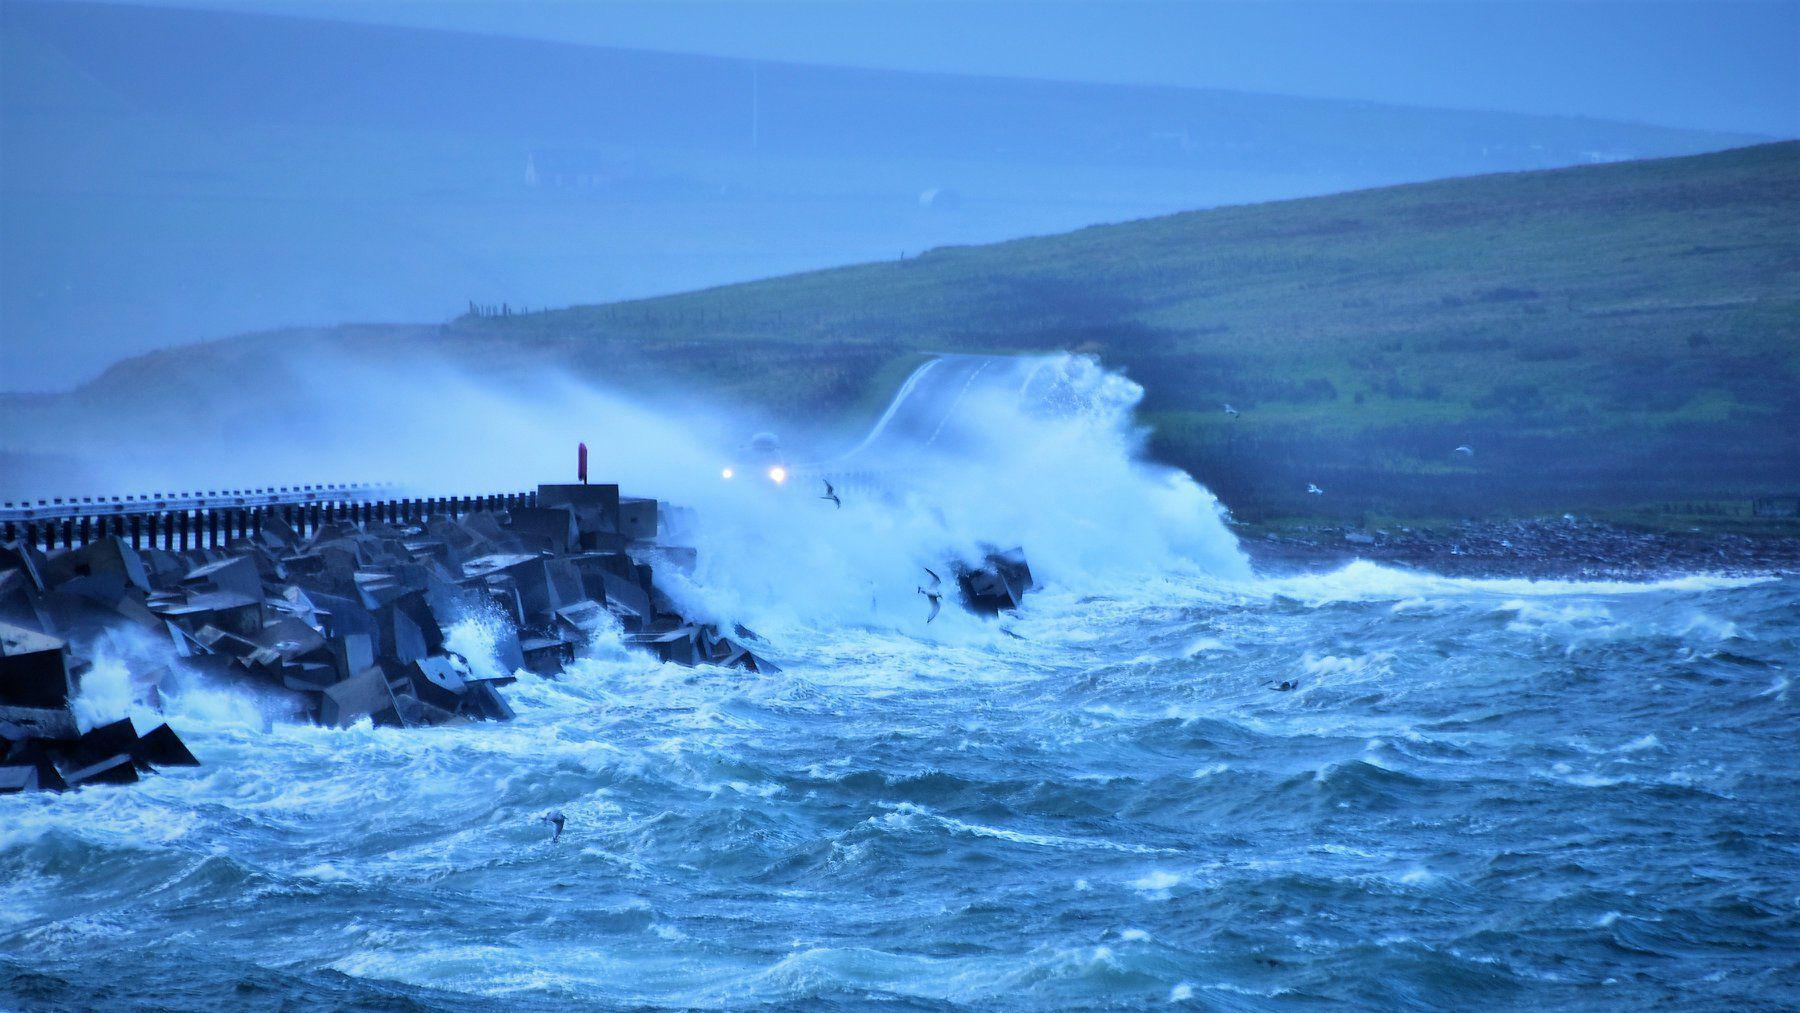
(1466, 450)
(1314, 490)
(1233, 412)
(935, 596)
(555, 819)
(831, 494)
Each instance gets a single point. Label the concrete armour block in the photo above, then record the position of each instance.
(110, 557)
(115, 769)
(484, 701)
(436, 681)
(102, 741)
(236, 574)
(16, 779)
(33, 669)
(161, 747)
(364, 694)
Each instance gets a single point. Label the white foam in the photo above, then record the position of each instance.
(1362, 580)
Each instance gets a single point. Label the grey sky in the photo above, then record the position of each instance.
(1714, 65)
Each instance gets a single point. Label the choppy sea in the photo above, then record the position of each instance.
(1477, 794)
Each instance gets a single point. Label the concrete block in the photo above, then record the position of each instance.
(17, 779)
(375, 589)
(21, 600)
(398, 637)
(362, 695)
(115, 769)
(244, 651)
(546, 528)
(34, 669)
(52, 724)
(580, 620)
(483, 701)
(103, 741)
(603, 497)
(226, 610)
(998, 584)
(637, 518)
(236, 574)
(545, 655)
(289, 638)
(161, 747)
(25, 559)
(111, 556)
(436, 681)
(351, 653)
(627, 600)
(342, 616)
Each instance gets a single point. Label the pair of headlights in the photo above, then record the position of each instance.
(777, 474)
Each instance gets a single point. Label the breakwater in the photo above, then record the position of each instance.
(333, 610)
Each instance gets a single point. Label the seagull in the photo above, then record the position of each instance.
(1466, 450)
(1314, 490)
(1233, 412)
(831, 494)
(936, 596)
(555, 819)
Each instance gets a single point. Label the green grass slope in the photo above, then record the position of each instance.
(1605, 336)
(1601, 336)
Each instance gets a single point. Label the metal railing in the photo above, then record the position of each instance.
(215, 519)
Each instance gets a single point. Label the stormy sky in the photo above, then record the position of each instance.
(1713, 65)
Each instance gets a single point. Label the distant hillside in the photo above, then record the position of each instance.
(171, 175)
(1601, 336)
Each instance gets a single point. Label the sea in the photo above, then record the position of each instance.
(1170, 779)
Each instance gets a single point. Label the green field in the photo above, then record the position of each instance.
(1604, 337)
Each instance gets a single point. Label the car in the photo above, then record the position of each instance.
(761, 457)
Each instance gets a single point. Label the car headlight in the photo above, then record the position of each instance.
(778, 474)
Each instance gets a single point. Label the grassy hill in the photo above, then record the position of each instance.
(1603, 336)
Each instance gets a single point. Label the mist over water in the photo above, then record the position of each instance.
(1481, 792)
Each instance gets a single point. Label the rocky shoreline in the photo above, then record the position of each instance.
(1568, 547)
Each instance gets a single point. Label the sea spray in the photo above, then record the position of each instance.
(1038, 452)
